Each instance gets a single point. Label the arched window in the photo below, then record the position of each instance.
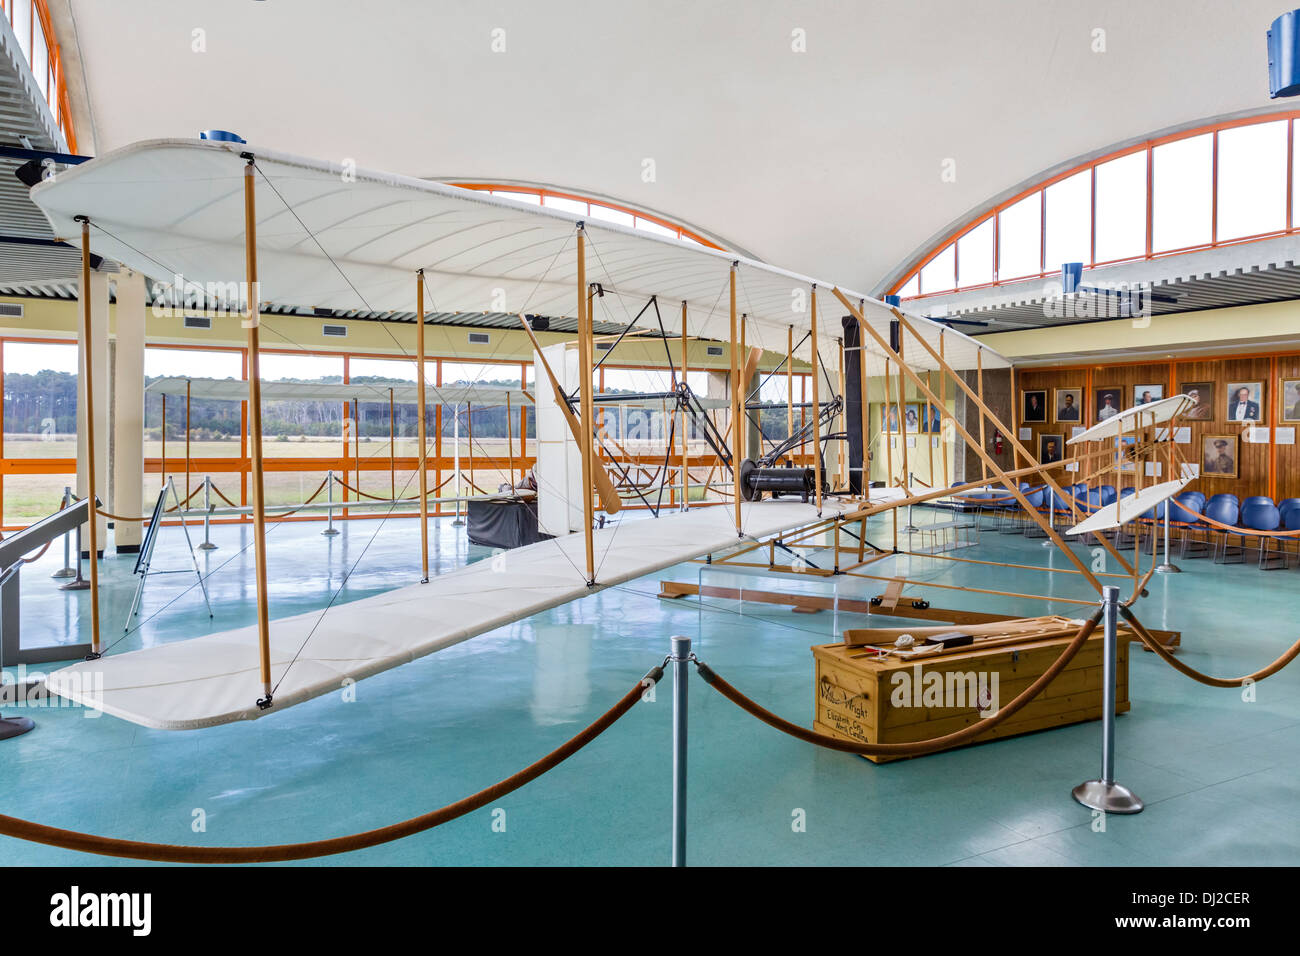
(1228, 183)
(598, 210)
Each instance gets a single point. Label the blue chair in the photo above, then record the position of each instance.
(1107, 494)
(1011, 514)
(1185, 515)
(1260, 514)
(1224, 509)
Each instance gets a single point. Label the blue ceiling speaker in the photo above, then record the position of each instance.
(894, 301)
(1284, 55)
(1071, 276)
(222, 136)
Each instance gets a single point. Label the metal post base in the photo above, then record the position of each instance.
(207, 546)
(14, 726)
(78, 585)
(65, 573)
(1107, 797)
(330, 532)
(1168, 569)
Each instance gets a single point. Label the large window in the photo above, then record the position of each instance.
(32, 26)
(1191, 190)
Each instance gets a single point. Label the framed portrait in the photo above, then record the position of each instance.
(1146, 394)
(1050, 448)
(1203, 392)
(889, 419)
(1219, 456)
(1290, 400)
(1245, 402)
(1107, 403)
(930, 420)
(1033, 405)
(1067, 405)
(913, 413)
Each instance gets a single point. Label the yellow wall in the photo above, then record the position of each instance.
(1239, 329)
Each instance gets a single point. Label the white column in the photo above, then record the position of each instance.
(98, 348)
(128, 409)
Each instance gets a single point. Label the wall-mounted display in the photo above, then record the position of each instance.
(1245, 400)
(1033, 405)
(1203, 393)
(1068, 403)
(1107, 403)
(1219, 456)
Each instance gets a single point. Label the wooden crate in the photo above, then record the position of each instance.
(854, 689)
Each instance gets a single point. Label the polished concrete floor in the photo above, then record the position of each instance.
(1220, 775)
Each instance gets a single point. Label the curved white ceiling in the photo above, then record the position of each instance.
(827, 162)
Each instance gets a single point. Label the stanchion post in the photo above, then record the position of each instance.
(680, 659)
(207, 544)
(1168, 567)
(330, 530)
(67, 571)
(911, 525)
(1105, 794)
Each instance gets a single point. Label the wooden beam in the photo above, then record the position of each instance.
(816, 403)
(736, 426)
(88, 386)
(253, 322)
(588, 418)
(421, 427)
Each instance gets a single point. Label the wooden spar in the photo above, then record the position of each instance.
(510, 444)
(744, 391)
(943, 403)
(884, 430)
(609, 499)
(925, 429)
(1010, 484)
(187, 442)
(816, 404)
(392, 449)
(1015, 409)
(88, 386)
(1011, 437)
(686, 452)
(789, 380)
(256, 479)
(584, 379)
(840, 472)
(421, 427)
(865, 416)
(469, 445)
(163, 469)
(735, 403)
(979, 382)
(905, 478)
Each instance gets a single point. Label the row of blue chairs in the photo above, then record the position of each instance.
(1249, 519)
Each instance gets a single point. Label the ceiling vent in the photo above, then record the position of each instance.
(479, 338)
(334, 331)
(604, 346)
(715, 350)
(198, 322)
(11, 310)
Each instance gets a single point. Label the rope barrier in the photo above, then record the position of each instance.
(911, 749)
(1164, 654)
(363, 494)
(176, 853)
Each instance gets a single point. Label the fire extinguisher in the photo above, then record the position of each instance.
(997, 443)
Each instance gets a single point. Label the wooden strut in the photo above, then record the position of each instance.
(1010, 484)
(735, 402)
(187, 439)
(1015, 442)
(816, 403)
(686, 451)
(584, 378)
(257, 482)
(88, 386)
(421, 427)
(864, 471)
(392, 448)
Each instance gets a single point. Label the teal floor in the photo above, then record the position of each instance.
(1221, 776)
